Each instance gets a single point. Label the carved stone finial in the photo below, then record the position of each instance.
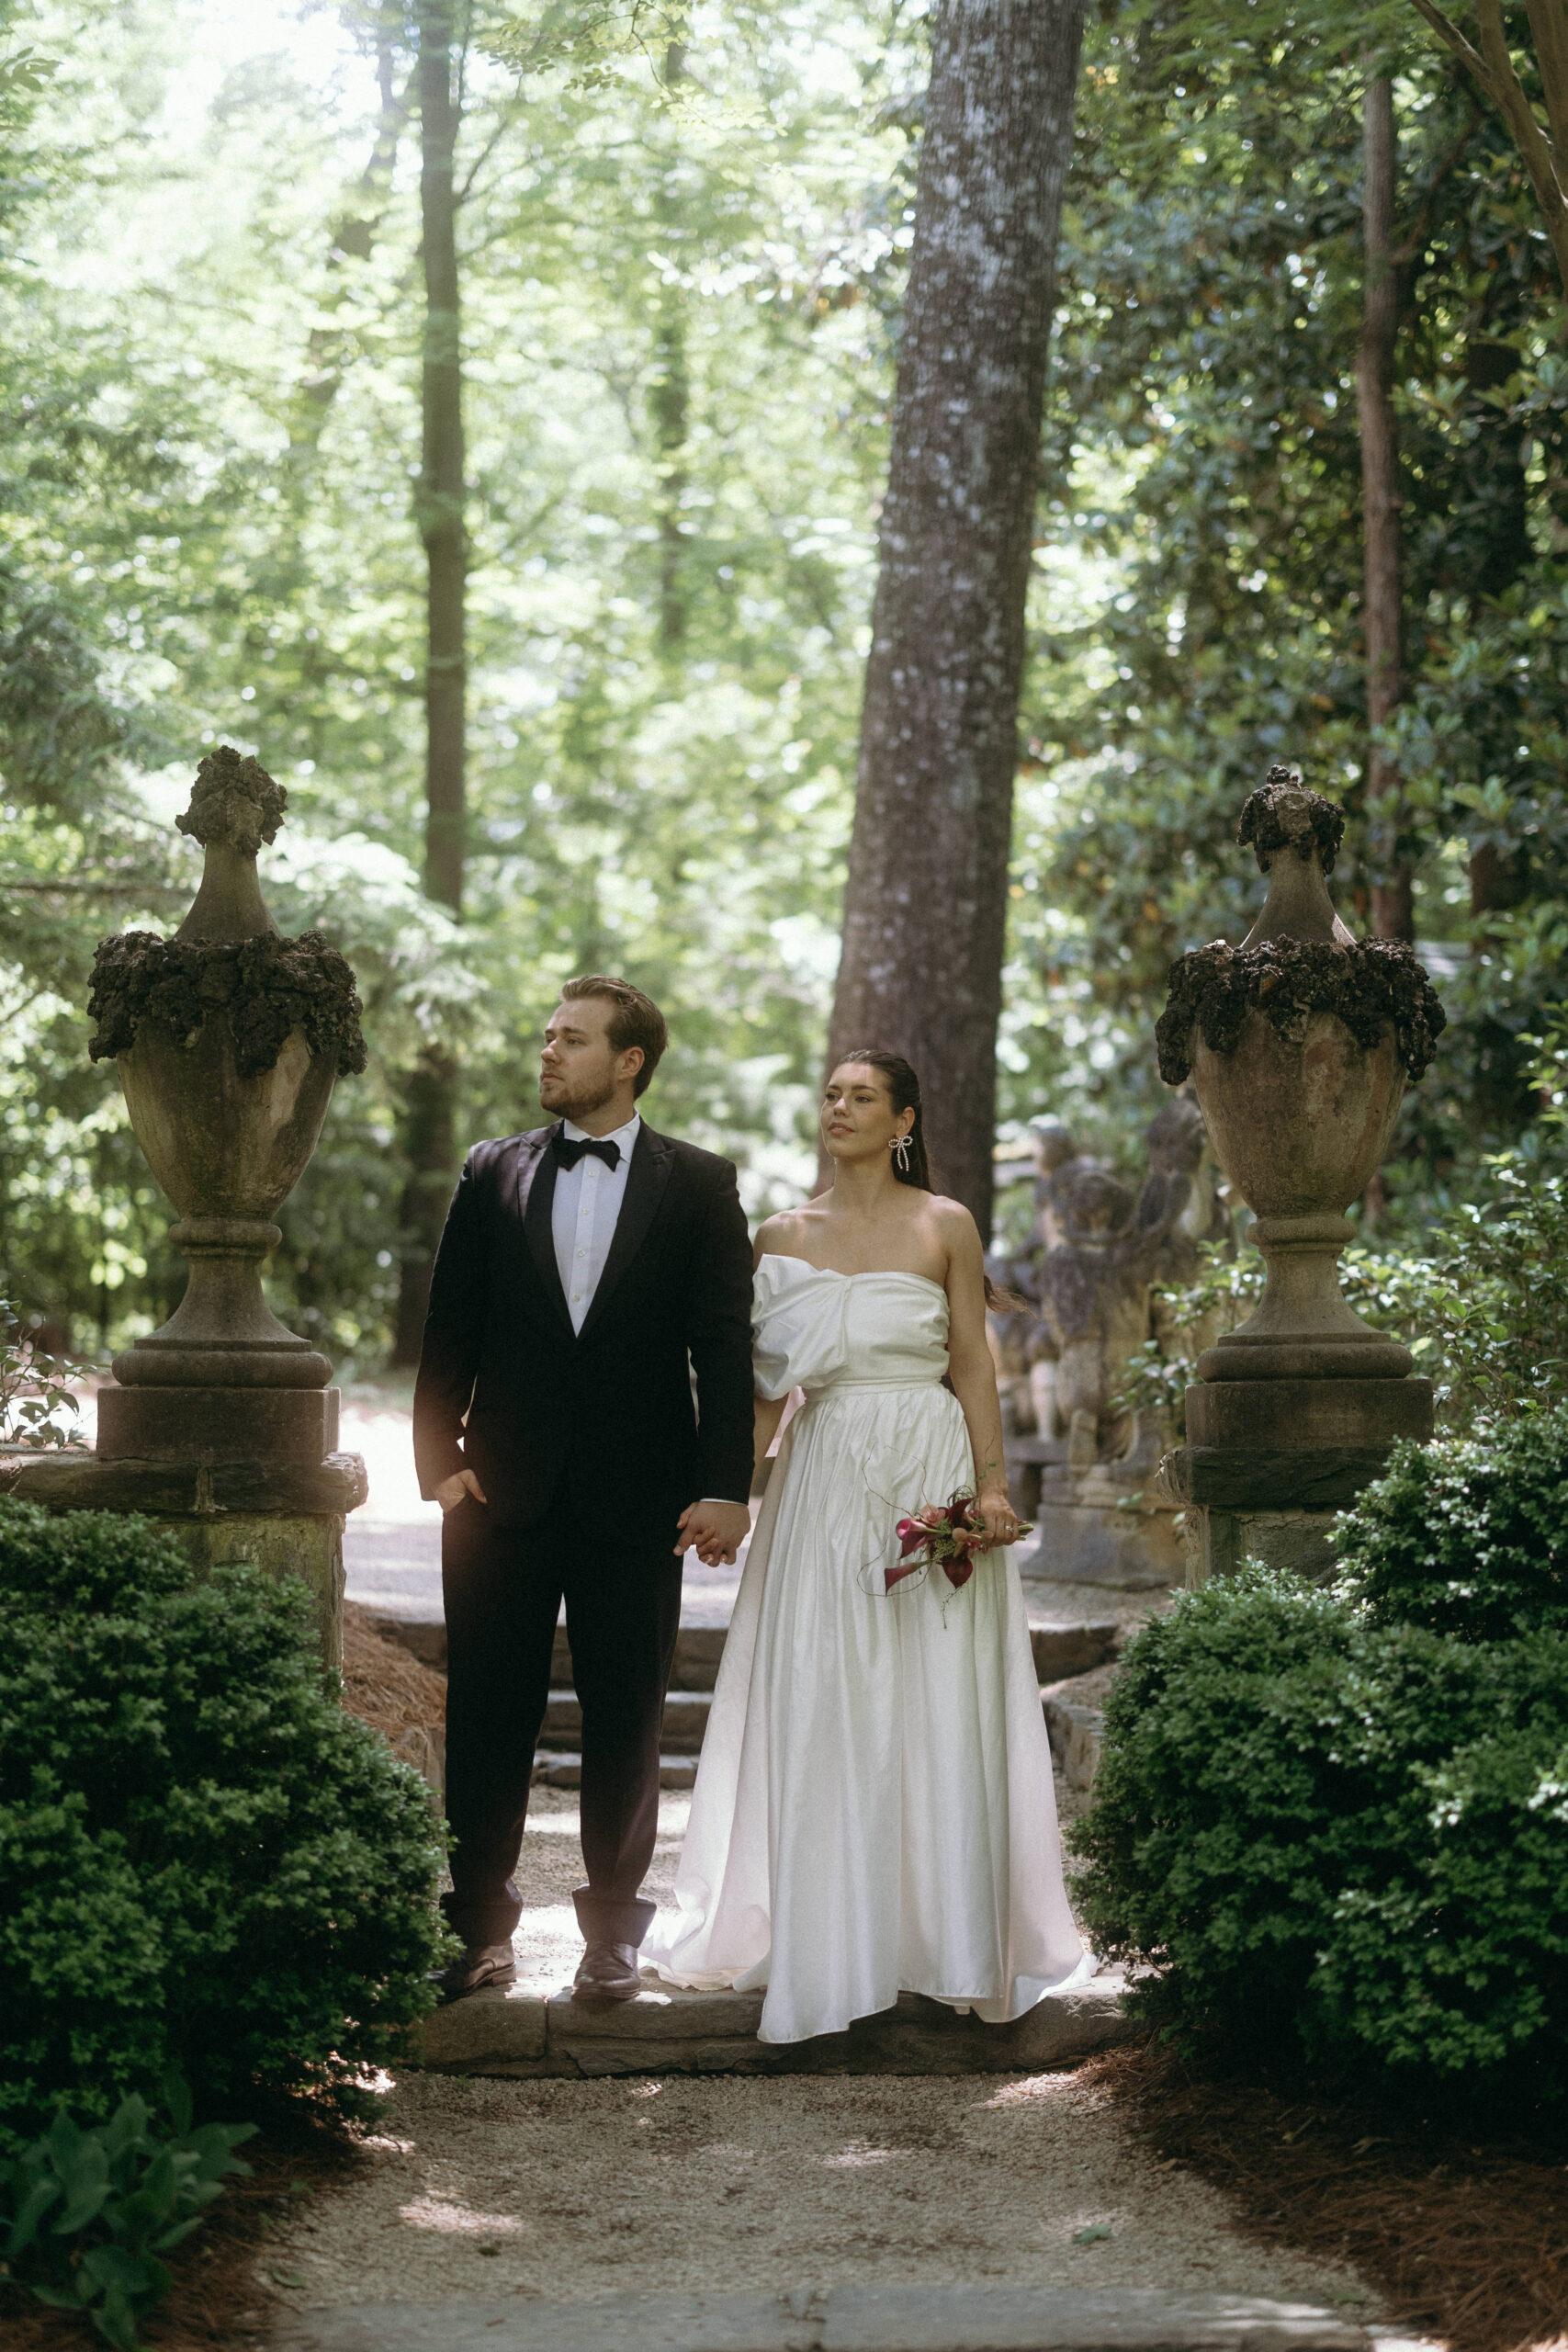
(234, 800)
(235, 807)
(1281, 814)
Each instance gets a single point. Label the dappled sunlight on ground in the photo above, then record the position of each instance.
(1033, 2090)
(459, 2221)
(568, 2189)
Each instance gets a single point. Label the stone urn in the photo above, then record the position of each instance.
(1298, 1044)
(229, 1039)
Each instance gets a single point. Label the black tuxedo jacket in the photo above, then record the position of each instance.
(600, 1423)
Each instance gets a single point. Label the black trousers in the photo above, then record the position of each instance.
(504, 1588)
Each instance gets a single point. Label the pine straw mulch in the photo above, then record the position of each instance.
(1462, 2233)
(389, 1688)
(216, 2299)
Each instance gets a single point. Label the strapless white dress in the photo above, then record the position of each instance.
(873, 1810)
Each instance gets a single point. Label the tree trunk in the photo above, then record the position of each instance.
(1391, 903)
(669, 404)
(439, 499)
(430, 1102)
(351, 237)
(429, 1108)
(1489, 61)
(925, 913)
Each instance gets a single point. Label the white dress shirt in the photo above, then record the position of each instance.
(583, 1215)
(584, 1212)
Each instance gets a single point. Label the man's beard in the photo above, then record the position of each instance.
(582, 1104)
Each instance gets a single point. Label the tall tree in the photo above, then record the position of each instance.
(1489, 62)
(669, 402)
(351, 237)
(429, 1138)
(1393, 904)
(926, 907)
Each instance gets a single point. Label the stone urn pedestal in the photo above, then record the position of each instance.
(1298, 1044)
(222, 1425)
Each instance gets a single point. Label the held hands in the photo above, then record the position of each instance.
(451, 1491)
(715, 1531)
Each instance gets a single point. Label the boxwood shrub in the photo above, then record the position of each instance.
(1338, 1822)
(205, 1863)
(1469, 1537)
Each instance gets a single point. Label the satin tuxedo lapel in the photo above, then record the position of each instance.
(506, 1390)
(652, 1159)
(535, 1195)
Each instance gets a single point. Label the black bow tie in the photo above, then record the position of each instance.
(568, 1153)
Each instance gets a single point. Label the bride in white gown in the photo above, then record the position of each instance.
(874, 1810)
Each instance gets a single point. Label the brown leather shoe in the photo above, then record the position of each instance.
(608, 1971)
(481, 1965)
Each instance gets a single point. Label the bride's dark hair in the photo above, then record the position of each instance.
(904, 1087)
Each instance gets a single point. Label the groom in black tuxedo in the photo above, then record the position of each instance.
(586, 1271)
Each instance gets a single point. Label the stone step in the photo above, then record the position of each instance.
(1077, 1733)
(553, 1771)
(669, 2030)
(1059, 1650)
(1064, 1650)
(1074, 1733)
(918, 2316)
(685, 1721)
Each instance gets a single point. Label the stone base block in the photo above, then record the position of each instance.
(1221, 1541)
(1307, 1413)
(1273, 1503)
(285, 1545)
(286, 1520)
(74, 1478)
(667, 2030)
(213, 1425)
(1263, 1478)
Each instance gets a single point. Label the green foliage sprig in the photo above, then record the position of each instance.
(90, 2213)
(22, 76)
(37, 1407)
(584, 38)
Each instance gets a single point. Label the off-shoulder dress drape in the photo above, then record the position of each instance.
(874, 1810)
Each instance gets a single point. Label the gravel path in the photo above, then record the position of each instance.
(567, 2190)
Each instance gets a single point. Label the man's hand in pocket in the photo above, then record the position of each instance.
(450, 1492)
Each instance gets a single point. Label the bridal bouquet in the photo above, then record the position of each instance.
(945, 1535)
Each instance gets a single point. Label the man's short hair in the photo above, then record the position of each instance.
(636, 1021)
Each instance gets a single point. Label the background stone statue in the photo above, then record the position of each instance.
(1094, 1276)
